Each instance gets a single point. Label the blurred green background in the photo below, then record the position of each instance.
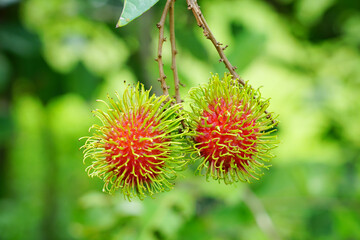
(58, 56)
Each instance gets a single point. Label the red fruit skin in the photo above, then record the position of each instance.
(136, 160)
(225, 137)
(137, 147)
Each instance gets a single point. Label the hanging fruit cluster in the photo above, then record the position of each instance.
(143, 141)
(141, 144)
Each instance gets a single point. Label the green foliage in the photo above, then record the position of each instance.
(133, 9)
(57, 57)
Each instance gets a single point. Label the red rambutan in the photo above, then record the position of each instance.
(138, 147)
(232, 132)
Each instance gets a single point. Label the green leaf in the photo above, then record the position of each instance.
(133, 9)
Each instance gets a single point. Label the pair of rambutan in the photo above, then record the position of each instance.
(141, 144)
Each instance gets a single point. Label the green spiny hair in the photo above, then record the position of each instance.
(138, 147)
(232, 134)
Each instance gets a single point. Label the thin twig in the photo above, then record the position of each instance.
(162, 39)
(174, 52)
(262, 218)
(200, 19)
(173, 56)
(195, 8)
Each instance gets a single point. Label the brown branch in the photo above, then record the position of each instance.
(200, 19)
(173, 57)
(174, 52)
(195, 8)
(162, 39)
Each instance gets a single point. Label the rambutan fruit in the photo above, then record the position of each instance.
(232, 133)
(138, 147)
